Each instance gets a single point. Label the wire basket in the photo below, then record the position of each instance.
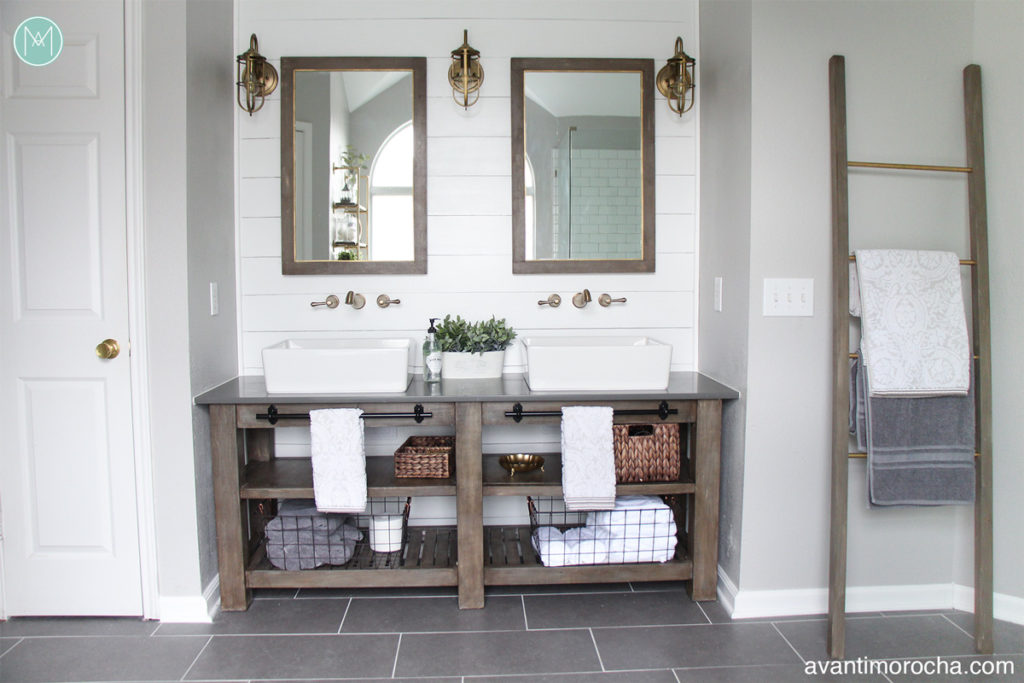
(425, 457)
(641, 529)
(646, 452)
(299, 537)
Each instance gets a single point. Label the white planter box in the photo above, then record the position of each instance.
(463, 365)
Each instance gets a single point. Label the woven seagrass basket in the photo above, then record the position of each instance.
(648, 452)
(425, 457)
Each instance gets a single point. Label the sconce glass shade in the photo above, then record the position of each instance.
(465, 74)
(675, 80)
(257, 78)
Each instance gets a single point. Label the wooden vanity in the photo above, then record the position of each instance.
(470, 555)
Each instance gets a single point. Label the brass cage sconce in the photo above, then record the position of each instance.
(675, 80)
(257, 77)
(465, 74)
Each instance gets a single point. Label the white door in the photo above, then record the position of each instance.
(67, 472)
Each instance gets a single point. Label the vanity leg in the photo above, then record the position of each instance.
(469, 504)
(228, 453)
(705, 466)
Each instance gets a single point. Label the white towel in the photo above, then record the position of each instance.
(642, 529)
(339, 460)
(588, 459)
(913, 327)
(579, 545)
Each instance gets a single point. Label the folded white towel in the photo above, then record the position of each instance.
(913, 326)
(339, 459)
(577, 546)
(588, 459)
(642, 529)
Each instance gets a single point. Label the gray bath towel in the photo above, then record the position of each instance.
(920, 450)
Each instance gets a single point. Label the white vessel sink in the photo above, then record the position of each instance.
(578, 363)
(337, 366)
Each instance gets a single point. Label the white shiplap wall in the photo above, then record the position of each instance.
(469, 183)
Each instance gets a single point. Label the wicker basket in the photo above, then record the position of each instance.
(425, 457)
(647, 452)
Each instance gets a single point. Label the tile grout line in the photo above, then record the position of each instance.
(196, 658)
(16, 644)
(597, 650)
(526, 620)
(398, 649)
(675, 675)
(958, 627)
(701, 608)
(342, 624)
(802, 660)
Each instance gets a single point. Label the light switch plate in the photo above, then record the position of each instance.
(789, 297)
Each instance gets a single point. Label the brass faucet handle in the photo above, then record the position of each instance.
(384, 301)
(554, 301)
(330, 302)
(581, 299)
(355, 300)
(607, 300)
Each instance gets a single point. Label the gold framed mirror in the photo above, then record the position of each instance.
(582, 165)
(353, 165)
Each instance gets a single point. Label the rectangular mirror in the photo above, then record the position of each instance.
(353, 165)
(582, 165)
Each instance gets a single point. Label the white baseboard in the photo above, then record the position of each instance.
(192, 609)
(750, 604)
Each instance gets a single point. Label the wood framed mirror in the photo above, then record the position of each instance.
(582, 165)
(353, 165)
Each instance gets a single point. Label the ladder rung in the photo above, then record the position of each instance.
(963, 261)
(857, 355)
(909, 167)
(864, 455)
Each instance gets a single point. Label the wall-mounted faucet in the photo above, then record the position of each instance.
(554, 301)
(384, 301)
(606, 300)
(355, 300)
(581, 299)
(330, 302)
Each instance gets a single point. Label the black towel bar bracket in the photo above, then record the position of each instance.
(273, 415)
(662, 411)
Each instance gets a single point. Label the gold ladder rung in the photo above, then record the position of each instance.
(854, 356)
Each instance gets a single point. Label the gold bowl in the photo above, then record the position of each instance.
(521, 462)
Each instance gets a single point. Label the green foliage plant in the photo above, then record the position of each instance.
(456, 334)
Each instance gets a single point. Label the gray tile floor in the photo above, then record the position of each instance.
(619, 633)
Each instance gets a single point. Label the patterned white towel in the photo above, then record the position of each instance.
(588, 459)
(913, 327)
(339, 460)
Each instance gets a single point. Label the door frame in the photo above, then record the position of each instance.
(136, 285)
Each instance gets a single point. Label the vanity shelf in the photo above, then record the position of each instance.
(469, 555)
(293, 478)
(498, 482)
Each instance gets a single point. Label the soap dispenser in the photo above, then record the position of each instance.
(431, 355)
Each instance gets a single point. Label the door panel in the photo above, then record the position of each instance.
(67, 467)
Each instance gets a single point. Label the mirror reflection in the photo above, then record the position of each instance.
(580, 166)
(353, 184)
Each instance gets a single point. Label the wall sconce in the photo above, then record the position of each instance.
(675, 80)
(257, 78)
(465, 74)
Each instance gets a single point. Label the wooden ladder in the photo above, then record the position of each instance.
(975, 174)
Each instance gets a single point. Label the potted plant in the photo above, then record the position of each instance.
(473, 350)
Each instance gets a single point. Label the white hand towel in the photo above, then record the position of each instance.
(588, 459)
(339, 460)
(579, 545)
(913, 326)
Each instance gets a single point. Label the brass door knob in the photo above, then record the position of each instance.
(108, 349)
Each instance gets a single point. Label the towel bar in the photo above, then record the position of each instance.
(273, 415)
(663, 412)
(963, 261)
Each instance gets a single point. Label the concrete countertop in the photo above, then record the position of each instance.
(682, 386)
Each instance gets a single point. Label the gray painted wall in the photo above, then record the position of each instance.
(213, 349)
(313, 105)
(724, 82)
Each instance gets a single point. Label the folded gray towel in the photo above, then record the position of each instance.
(920, 450)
